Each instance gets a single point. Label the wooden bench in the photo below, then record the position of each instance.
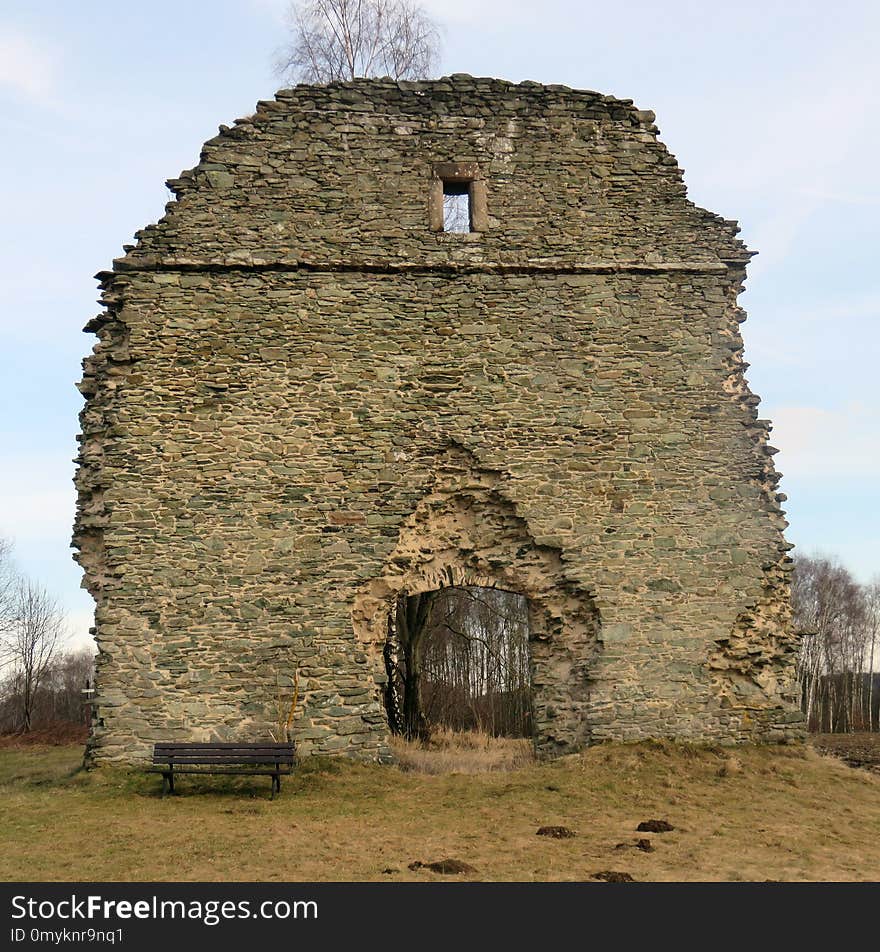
(266, 760)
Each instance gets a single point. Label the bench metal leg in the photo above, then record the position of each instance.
(168, 783)
(276, 781)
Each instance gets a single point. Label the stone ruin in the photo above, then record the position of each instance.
(314, 389)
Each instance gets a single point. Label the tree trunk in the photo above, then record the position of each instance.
(871, 682)
(415, 726)
(407, 628)
(391, 656)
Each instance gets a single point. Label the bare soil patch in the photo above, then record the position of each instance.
(857, 750)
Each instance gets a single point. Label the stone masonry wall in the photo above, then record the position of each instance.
(303, 401)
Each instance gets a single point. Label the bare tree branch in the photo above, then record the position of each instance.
(835, 666)
(8, 578)
(29, 645)
(337, 40)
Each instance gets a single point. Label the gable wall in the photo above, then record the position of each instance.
(274, 395)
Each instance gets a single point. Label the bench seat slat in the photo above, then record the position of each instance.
(229, 752)
(227, 755)
(211, 758)
(224, 753)
(241, 752)
(223, 760)
(188, 769)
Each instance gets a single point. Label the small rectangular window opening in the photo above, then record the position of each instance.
(457, 207)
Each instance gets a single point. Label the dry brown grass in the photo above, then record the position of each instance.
(56, 735)
(755, 813)
(465, 752)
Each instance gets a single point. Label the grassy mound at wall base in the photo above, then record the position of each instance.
(748, 813)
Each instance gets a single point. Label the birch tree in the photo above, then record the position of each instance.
(832, 611)
(872, 619)
(7, 586)
(335, 40)
(31, 638)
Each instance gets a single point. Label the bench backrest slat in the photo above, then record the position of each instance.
(224, 746)
(224, 753)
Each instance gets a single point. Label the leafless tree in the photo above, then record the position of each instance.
(459, 658)
(61, 699)
(29, 645)
(8, 577)
(872, 618)
(835, 668)
(408, 624)
(59, 703)
(337, 40)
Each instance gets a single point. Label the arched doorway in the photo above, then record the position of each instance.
(465, 534)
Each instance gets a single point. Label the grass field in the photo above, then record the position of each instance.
(749, 814)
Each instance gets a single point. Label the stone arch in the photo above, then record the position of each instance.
(465, 532)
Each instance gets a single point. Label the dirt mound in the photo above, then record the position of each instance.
(642, 844)
(557, 832)
(655, 826)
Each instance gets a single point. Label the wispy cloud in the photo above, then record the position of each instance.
(777, 234)
(827, 444)
(810, 337)
(28, 68)
(37, 498)
(857, 307)
(837, 197)
(37, 504)
(78, 624)
(488, 13)
(807, 142)
(277, 9)
(805, 127)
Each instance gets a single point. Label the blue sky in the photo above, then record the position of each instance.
(770, 107)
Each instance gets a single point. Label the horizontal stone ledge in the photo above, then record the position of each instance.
(150, 263)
